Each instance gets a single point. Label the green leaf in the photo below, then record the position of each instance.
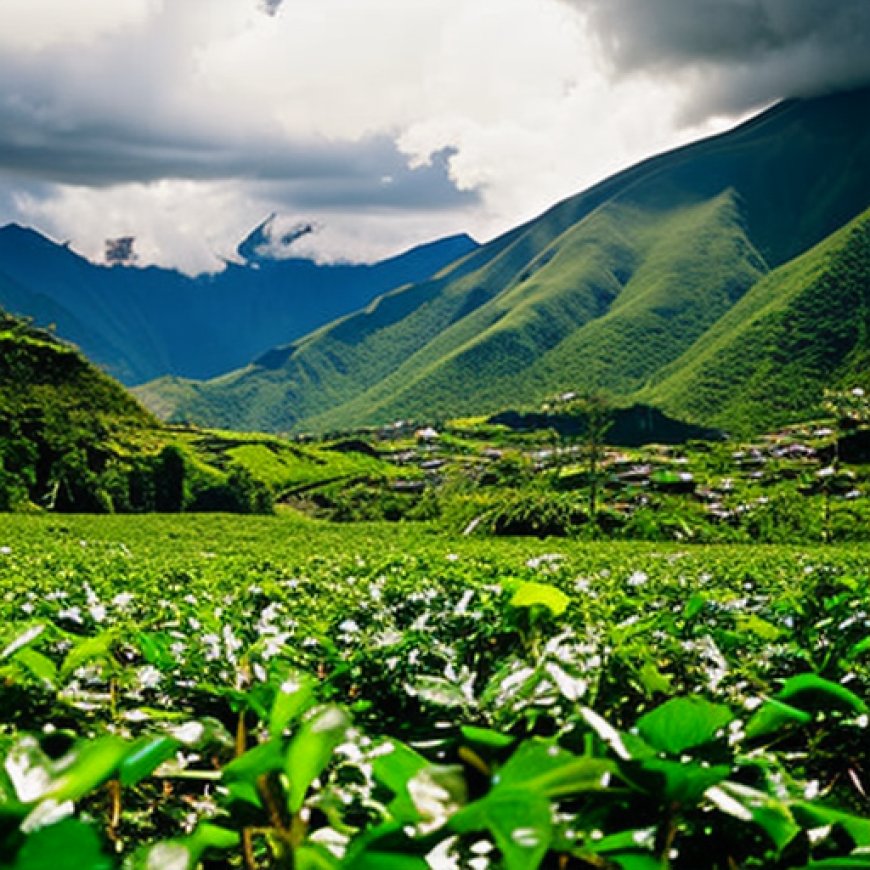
(21, 640)
(208, 836)
(86, 767)
(486, 737)
(38, 665)
(519, 820)
(99, 647)
(750, 805)
(653, 680)
(815, 815)
(386, 847)
(291, 700)
(67, 845)
(394, 770)
(676, 782)
(754, 624)
(815, 692)
(542, 766)
(313, 856)
(694, 606)
(531, 594)
(859, 648)
(145, 757)
(255, 762)
(683, 723)
(773, 716)
(311, 749)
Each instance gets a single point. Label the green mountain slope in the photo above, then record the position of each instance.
(602, 291)
(804, 327)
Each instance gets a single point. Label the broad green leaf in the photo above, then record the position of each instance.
(208, 836)
(676, 782)
(36, 664)
(291, 700)
(255, 762)
(815, 815)
(67, 845)
(86, 767)
(751, 805)
(99, 647)
(754, 624)
(544, 768)
(859, 648)
(394, 770)
(531, 594)
(519, 820)
(683, 723)
(849, 862)
(773, 716)
(817, 692)
(636, 861)
(311, 749)
(145, 757)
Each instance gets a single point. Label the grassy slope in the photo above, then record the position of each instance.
(42, 378)
(801, 329)
(601, 291)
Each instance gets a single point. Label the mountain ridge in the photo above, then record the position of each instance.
(601, 291)
(141, 322)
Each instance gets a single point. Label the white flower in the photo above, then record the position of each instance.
(122, 600)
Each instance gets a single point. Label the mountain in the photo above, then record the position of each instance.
(139, 323)
(803, 328)
(614, 289)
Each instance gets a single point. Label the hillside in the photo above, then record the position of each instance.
(72, 439)
(605, 291)
(802, 329)
(62, 421)
(139, 323)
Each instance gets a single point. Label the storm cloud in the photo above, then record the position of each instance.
(738, 54)
(385, 122)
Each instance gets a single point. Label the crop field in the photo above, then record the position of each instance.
(253, 692)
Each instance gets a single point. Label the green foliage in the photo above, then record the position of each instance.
(401, 696)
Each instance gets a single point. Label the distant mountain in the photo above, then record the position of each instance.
(615, 289)
(139, 324)
(804, 327)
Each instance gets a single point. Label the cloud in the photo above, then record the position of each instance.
(385, 122)
(737, 54)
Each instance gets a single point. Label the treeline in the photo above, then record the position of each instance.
(87, 479)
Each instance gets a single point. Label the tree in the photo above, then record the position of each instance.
(585, 419)
(169, 471)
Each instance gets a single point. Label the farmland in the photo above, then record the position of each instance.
(281, 691)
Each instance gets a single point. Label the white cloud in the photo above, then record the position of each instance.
(185, 123)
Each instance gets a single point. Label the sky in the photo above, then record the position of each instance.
(380, 123)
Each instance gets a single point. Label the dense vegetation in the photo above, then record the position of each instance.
(276, 692)
(73, 440)
(610, 290)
